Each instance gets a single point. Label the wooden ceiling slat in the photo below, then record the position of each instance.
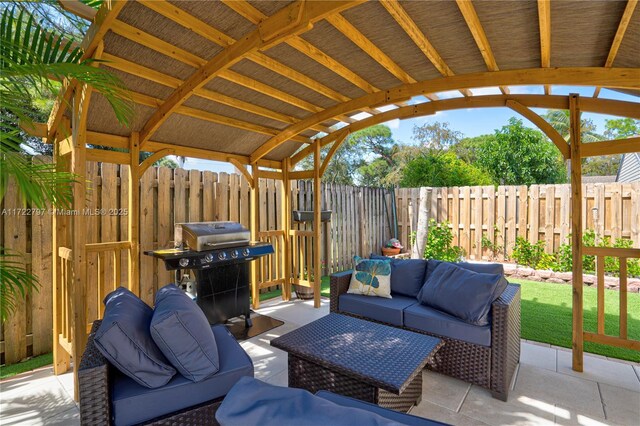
(617, 40)
(145, 39)
(413, 31)
(255, 16)
(544, 20)
(205, 30)
(293, 19)
(475, 27)
(152, 102)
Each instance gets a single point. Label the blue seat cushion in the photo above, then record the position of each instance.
(432, 321)
(132, 403)
(252, 402)
(125, 340)
(379, 309)
(407, 275)
(462, 293)
(400, 418)
(183, 334)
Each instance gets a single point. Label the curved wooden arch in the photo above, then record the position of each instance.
(596, 105)
(287, 22)
(625, 78)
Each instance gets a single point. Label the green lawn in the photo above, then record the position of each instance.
(28, 365)
(546, 316)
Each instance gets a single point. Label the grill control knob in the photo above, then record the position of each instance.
(222, 255)
(245, 252)
(235, 254)
(184, 262)
(208, 258)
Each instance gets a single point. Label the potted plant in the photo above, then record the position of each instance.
(392, 247)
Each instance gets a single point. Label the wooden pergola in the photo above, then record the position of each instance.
(264, 84)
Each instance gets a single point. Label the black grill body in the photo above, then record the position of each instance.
(222, 277)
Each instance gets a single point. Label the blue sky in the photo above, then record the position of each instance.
(470, 122)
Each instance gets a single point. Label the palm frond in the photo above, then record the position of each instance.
(15, 281)
(38, 183)
(31, 56)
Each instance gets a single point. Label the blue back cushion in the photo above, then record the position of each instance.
(462, 293)
(483, 268)
(124, 339)
(407, 275)
(183, 334)
(252, 402)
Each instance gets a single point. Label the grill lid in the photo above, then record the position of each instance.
(201, 236)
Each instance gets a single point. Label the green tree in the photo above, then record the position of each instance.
(560, 120)
(608, 165)
(620, 128)
(519, 155)
(442, 169)
(32, 58)
(467, 148)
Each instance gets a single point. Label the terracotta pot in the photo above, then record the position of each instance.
(390, 251)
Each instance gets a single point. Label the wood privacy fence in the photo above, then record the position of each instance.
(360, 223)
(167, 196)
(536, 213)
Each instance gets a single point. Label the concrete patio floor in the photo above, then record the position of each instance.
(545, 389)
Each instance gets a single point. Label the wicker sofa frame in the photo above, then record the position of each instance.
(95, 379)
(490, 367)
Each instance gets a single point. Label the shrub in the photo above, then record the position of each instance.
(532, 255)
(439, 243)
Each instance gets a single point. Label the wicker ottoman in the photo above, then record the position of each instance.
(357, 358)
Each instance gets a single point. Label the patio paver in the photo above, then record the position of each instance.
(545, 392)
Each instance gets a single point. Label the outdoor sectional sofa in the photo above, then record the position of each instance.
(483, 355)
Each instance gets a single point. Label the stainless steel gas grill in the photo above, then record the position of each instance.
(218, 253)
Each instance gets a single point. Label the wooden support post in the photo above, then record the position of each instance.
(77, 288)
(286, 226)
(61, 358)
(134, 213)
(255, 229)
(317, 225)
(576, 231)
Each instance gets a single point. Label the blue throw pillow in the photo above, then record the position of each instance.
(407, 275)
(124, 339)
(183, 334)
(252, 402)
(483, 268)
(462, 293)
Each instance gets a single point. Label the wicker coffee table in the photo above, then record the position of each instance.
(357, 358)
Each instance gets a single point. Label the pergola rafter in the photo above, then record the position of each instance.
(265, 128)
(617, 40)
(611, 77)
(477, 31)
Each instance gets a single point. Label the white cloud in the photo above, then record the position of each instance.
(386, 108)
(361, 116)
(449, 94)
(486, 91)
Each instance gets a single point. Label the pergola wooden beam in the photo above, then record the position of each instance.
(149, 161)
(152, 102)
(78, 8)
(543, 125)
(544, 22)
(620, 108)
(252, 14)
(610, 77)
(212, 34)
(477, 31)
(161, 46)
(292, 19)
(101, 24)
(618, 146)
(243, 170)
(617, 40)
(419, 38)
